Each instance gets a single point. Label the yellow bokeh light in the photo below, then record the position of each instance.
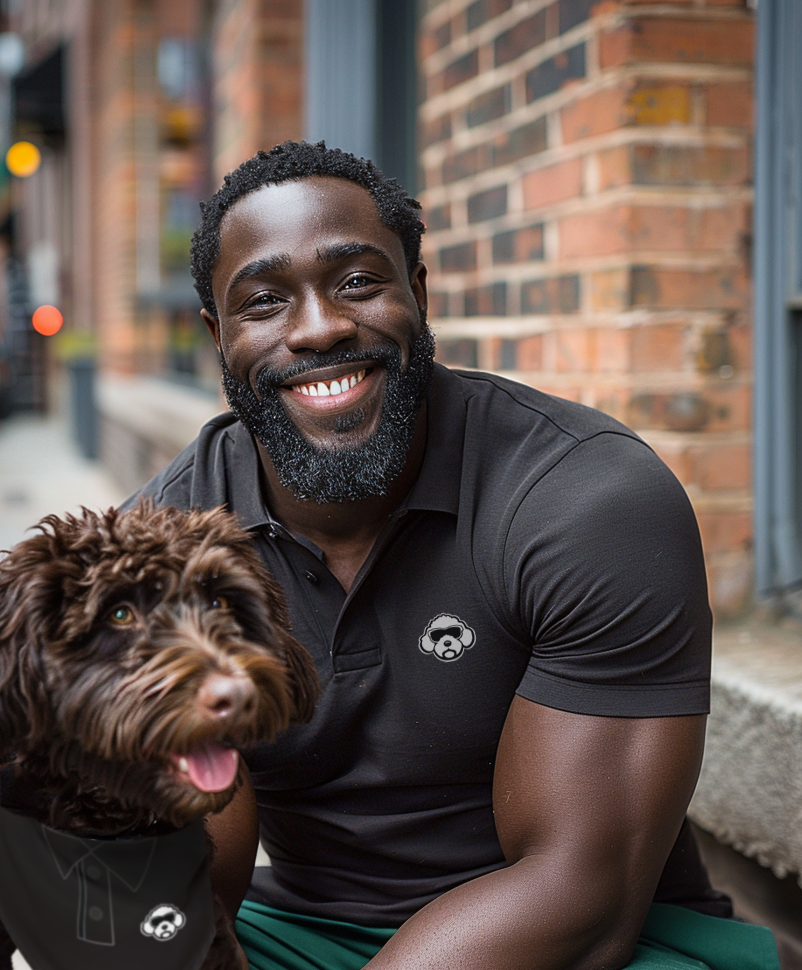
(23, 159)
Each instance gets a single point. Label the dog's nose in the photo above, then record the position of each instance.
(222, 695)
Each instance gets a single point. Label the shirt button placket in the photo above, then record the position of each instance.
(98, 921)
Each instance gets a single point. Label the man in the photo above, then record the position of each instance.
(504, 594)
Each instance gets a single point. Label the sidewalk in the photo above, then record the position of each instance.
(42, 472)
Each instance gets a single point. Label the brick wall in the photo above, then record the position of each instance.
(587, 186)
(258, 78)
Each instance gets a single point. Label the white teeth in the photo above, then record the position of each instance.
(183, 765)
(332, 388)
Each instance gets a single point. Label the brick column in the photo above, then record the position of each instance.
(258, 78)
(587, 189)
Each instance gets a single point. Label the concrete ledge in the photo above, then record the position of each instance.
(145, 422)
(750, 790)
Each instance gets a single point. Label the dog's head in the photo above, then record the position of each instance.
(139, 650)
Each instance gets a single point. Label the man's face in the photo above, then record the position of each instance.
(326, 354)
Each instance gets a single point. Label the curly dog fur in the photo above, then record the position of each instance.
(133, 647)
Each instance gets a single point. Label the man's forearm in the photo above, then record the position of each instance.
(535, 914)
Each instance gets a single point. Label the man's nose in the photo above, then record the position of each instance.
(318, 324)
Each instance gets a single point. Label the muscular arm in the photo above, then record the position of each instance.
(235, 833)
(587, 809)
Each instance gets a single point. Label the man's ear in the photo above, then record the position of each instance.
(417, 281)
(212, 325)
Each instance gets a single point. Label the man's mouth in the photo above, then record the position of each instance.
(331, 388)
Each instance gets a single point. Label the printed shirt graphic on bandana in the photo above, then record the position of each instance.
(88, 904)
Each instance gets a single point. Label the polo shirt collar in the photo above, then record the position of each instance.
(436, 488)
(128, 859)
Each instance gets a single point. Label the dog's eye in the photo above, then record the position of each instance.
(219, 603)
(122, 616)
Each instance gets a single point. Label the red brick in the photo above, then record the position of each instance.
(721, 466)
(572, 350)
(458, 258)
(731, 406)
(481, 11)
(731, 103)
(614, 167)
(725, 531)
(610, 289)
(663, 39)
(457, 353)
(553, 183)
(552, 295)
(654, 286)
(518, 245)
(434, 131)
(689, 165)
(519, 143)
(526, 34)
(612, 351)
(740, 339)
(658, 348)
(595, 114)
(530, 353)
(599, 233)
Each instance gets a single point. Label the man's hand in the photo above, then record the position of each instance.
(587, 810)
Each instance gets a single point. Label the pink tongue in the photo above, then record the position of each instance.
(212, 768)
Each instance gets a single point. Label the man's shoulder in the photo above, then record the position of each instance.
(189, 480)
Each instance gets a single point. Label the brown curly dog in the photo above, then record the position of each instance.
(138, 652)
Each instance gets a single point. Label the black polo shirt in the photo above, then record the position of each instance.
(91, 904)
(545, 550)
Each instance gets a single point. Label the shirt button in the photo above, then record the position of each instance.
(95, 912)
(93, 872)
(312, 577)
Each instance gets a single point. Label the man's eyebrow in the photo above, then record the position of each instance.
(270, 264)
(331, 254)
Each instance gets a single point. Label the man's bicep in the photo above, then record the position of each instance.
(605, 574)
(601, 799)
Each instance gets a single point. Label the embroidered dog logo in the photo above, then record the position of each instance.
(163, 922)
(447, 637)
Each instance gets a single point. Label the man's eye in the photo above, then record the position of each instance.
(357, 281)
(122, 616)
(219, 603)
(263, 300)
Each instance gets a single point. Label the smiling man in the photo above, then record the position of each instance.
(504, 595)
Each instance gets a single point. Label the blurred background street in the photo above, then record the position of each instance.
(42, 471)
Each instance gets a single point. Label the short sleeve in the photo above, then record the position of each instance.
(604, 570)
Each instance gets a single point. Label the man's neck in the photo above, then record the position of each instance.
(344, 531)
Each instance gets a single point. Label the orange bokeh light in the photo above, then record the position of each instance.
(47, 320)
(23, 159)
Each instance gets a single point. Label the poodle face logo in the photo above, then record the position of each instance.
(163, 922)
(447, 637)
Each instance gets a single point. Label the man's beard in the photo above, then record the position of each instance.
(345, 473)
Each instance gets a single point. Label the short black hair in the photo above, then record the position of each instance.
(290, 162)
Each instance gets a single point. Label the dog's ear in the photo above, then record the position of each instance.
(30, 604)
(303, 678)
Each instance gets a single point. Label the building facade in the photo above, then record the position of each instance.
(585, 168)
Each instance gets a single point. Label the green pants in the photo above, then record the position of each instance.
(673, 938)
